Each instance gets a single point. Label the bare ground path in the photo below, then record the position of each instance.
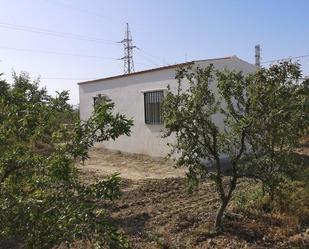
(130, 166)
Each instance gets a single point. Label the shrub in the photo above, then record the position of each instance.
(42, 202)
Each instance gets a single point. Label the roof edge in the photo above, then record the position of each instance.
(139, 72)
(157, 69)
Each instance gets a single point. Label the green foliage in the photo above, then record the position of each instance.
(42, 202)
(249, 198)
(291, 199)
(27, 113)
(265, 114)
(280, 118)
(101, 126)
(45, 216)
(190, 114)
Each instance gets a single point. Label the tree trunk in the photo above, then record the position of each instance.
(218, 223)
(271, 197)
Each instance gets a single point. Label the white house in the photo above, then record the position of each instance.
(138, 96)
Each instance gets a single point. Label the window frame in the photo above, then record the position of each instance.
(98, 97)
(146, 104)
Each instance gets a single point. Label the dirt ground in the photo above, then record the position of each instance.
(130, 166)
(156, 210)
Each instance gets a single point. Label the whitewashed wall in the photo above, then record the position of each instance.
(127, 94)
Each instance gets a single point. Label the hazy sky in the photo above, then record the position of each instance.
(166, 31)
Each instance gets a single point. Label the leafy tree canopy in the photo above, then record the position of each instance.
(264, 115)
(42, 202)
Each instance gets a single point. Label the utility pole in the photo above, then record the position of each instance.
(128, 62)
(258, 55)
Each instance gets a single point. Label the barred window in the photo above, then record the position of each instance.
(153, 102)
(99, 98)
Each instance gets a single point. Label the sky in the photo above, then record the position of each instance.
(77, 40)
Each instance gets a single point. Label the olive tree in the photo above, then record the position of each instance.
(42, 201)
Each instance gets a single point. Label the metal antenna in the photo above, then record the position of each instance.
(128, 62)
(258, 55)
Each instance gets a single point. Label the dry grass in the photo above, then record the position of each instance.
(156, 211)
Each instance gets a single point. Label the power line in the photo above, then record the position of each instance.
(92, 13)
(67, 54)
(152, 56)
(150, 61)
(63, 78)
(85, 11)
(54, 33)
(148, 58)
(58, 53)
(289, 58)
(144, 64)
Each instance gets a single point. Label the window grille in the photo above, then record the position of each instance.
(99, 98)
(153, 104)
